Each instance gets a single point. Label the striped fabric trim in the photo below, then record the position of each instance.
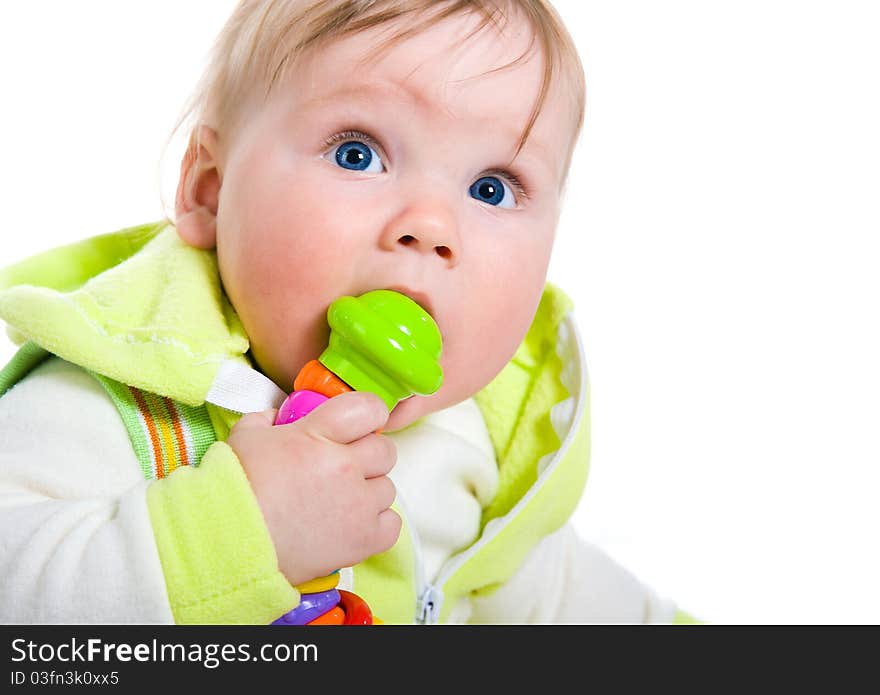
(28, 357)
(165, 434)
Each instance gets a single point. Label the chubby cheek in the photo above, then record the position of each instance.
(491, 330)
(280, 263)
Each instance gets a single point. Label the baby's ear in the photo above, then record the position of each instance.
(198, 190)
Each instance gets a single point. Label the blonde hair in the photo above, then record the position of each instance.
(263, 38)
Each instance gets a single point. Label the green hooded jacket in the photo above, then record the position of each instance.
(139, 308)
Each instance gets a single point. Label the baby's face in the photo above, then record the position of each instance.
(393, 174)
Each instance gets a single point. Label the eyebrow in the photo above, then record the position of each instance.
(369, 91)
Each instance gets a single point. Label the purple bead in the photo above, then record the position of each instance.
(298, 404)
(310, 606)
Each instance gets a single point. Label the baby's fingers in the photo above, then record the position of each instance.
(382, 492)
(347, 417)
(376, 454)
(266, 418)
(388, 529)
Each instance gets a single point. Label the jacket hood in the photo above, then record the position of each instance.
(138, 306)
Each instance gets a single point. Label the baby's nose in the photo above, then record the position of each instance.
(442, 250)
(426, 228)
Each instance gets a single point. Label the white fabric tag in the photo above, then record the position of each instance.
(242, 389)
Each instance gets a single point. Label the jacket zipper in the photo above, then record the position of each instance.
(430, 595)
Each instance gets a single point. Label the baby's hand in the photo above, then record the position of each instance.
(322, 483)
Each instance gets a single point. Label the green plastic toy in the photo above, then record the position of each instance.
(386, 343)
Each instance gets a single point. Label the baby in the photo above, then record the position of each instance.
(338, 147)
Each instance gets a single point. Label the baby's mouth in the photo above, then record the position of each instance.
(420, 298)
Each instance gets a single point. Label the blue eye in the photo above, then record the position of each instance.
(492, 191)
(357, 156)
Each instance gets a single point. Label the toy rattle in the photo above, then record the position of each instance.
(382, 342)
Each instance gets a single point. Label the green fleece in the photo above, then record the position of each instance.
(218, 559)
(136, 306)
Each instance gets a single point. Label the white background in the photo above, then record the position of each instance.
(721, 239)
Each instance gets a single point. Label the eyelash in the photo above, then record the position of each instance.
(348, 135)
(511, 179)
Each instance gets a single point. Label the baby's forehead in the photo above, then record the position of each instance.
(451, 57)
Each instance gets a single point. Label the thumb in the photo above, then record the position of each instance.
(348, 417)
(259, 420)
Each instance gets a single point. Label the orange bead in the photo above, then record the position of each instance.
(357, 612)
(316, 377)
(335, 616)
